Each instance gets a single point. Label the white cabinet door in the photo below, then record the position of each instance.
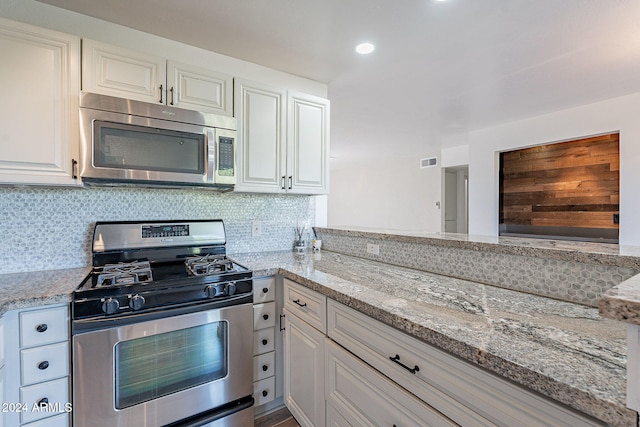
(364, 397)
(308, 144)
(113, 71)
(199, 89)
(304, 371)
(261, 112)
(283, 140)
(39, 82)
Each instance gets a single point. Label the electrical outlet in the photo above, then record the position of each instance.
(373, 249)
(256, 228)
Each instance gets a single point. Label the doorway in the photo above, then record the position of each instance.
(455, 194)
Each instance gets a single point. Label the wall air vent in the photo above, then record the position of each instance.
(429, 162)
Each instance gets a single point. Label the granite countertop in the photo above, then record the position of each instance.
(625, 256)
(622, 302)
(24, 290)
(562, 350)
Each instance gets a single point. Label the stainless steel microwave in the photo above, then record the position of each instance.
(124, 142)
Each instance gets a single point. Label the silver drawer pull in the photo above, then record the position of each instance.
(297, 301)
(396, 359)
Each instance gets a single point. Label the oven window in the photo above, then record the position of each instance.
(158, 365)
(124, 146)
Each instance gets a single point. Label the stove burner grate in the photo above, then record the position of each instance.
(209, 264)
(125, 274)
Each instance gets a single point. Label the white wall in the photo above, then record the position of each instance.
(454, 156)
(617, 114)
(390, 193)
(43, 15)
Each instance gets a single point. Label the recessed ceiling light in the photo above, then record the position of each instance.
(365, 48)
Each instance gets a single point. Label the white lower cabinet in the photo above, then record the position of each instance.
(36, 346)
(267, 346)
(335, 418)
(264, 391)
(304, 371)
(465, 393)
(363, 397)
(61, 420)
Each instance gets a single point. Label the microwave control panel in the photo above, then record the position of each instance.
(225, 156)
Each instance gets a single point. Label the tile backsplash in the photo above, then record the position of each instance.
(51, 228)
(566, 280)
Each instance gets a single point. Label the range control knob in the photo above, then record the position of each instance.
(136, 302)
(211, 291)
(231, 288)
(110, 306)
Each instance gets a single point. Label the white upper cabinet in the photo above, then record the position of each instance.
(110, 70)
(39, 80)
(260, 111)
(283, 140)
(199, 89)
(308, 144)
(114, 71)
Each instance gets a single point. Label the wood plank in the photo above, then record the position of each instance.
(519, 199)
(575, 208)
(559, 172)
(558, 163)
(568, 184)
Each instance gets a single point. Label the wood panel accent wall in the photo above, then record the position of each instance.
(568, 184)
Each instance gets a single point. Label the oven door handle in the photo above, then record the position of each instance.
(89, 325)
(209, 417)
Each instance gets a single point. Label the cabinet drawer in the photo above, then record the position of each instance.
(308, 305)
(61, 420)
(367, 398)
(264, 315)
(264, 341)
(44, 363)
(264, 366)
(39, 327)
(56, 394)
(335, 418)
(264, 289)
(264, 391)
(467, 394)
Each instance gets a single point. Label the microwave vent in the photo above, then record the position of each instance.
(429, 162)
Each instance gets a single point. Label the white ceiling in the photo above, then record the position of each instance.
(439, 69)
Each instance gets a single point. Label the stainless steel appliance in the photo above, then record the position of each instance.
(132, 142)
(162, 329)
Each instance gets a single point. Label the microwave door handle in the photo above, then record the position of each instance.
(211, 155)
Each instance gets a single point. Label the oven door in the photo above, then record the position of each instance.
(158, 372)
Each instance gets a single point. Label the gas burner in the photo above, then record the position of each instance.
(209, 264)
(125, 273)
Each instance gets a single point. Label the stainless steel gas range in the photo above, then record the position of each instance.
(162, 329)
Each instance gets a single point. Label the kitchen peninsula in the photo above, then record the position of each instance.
(556, 347)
